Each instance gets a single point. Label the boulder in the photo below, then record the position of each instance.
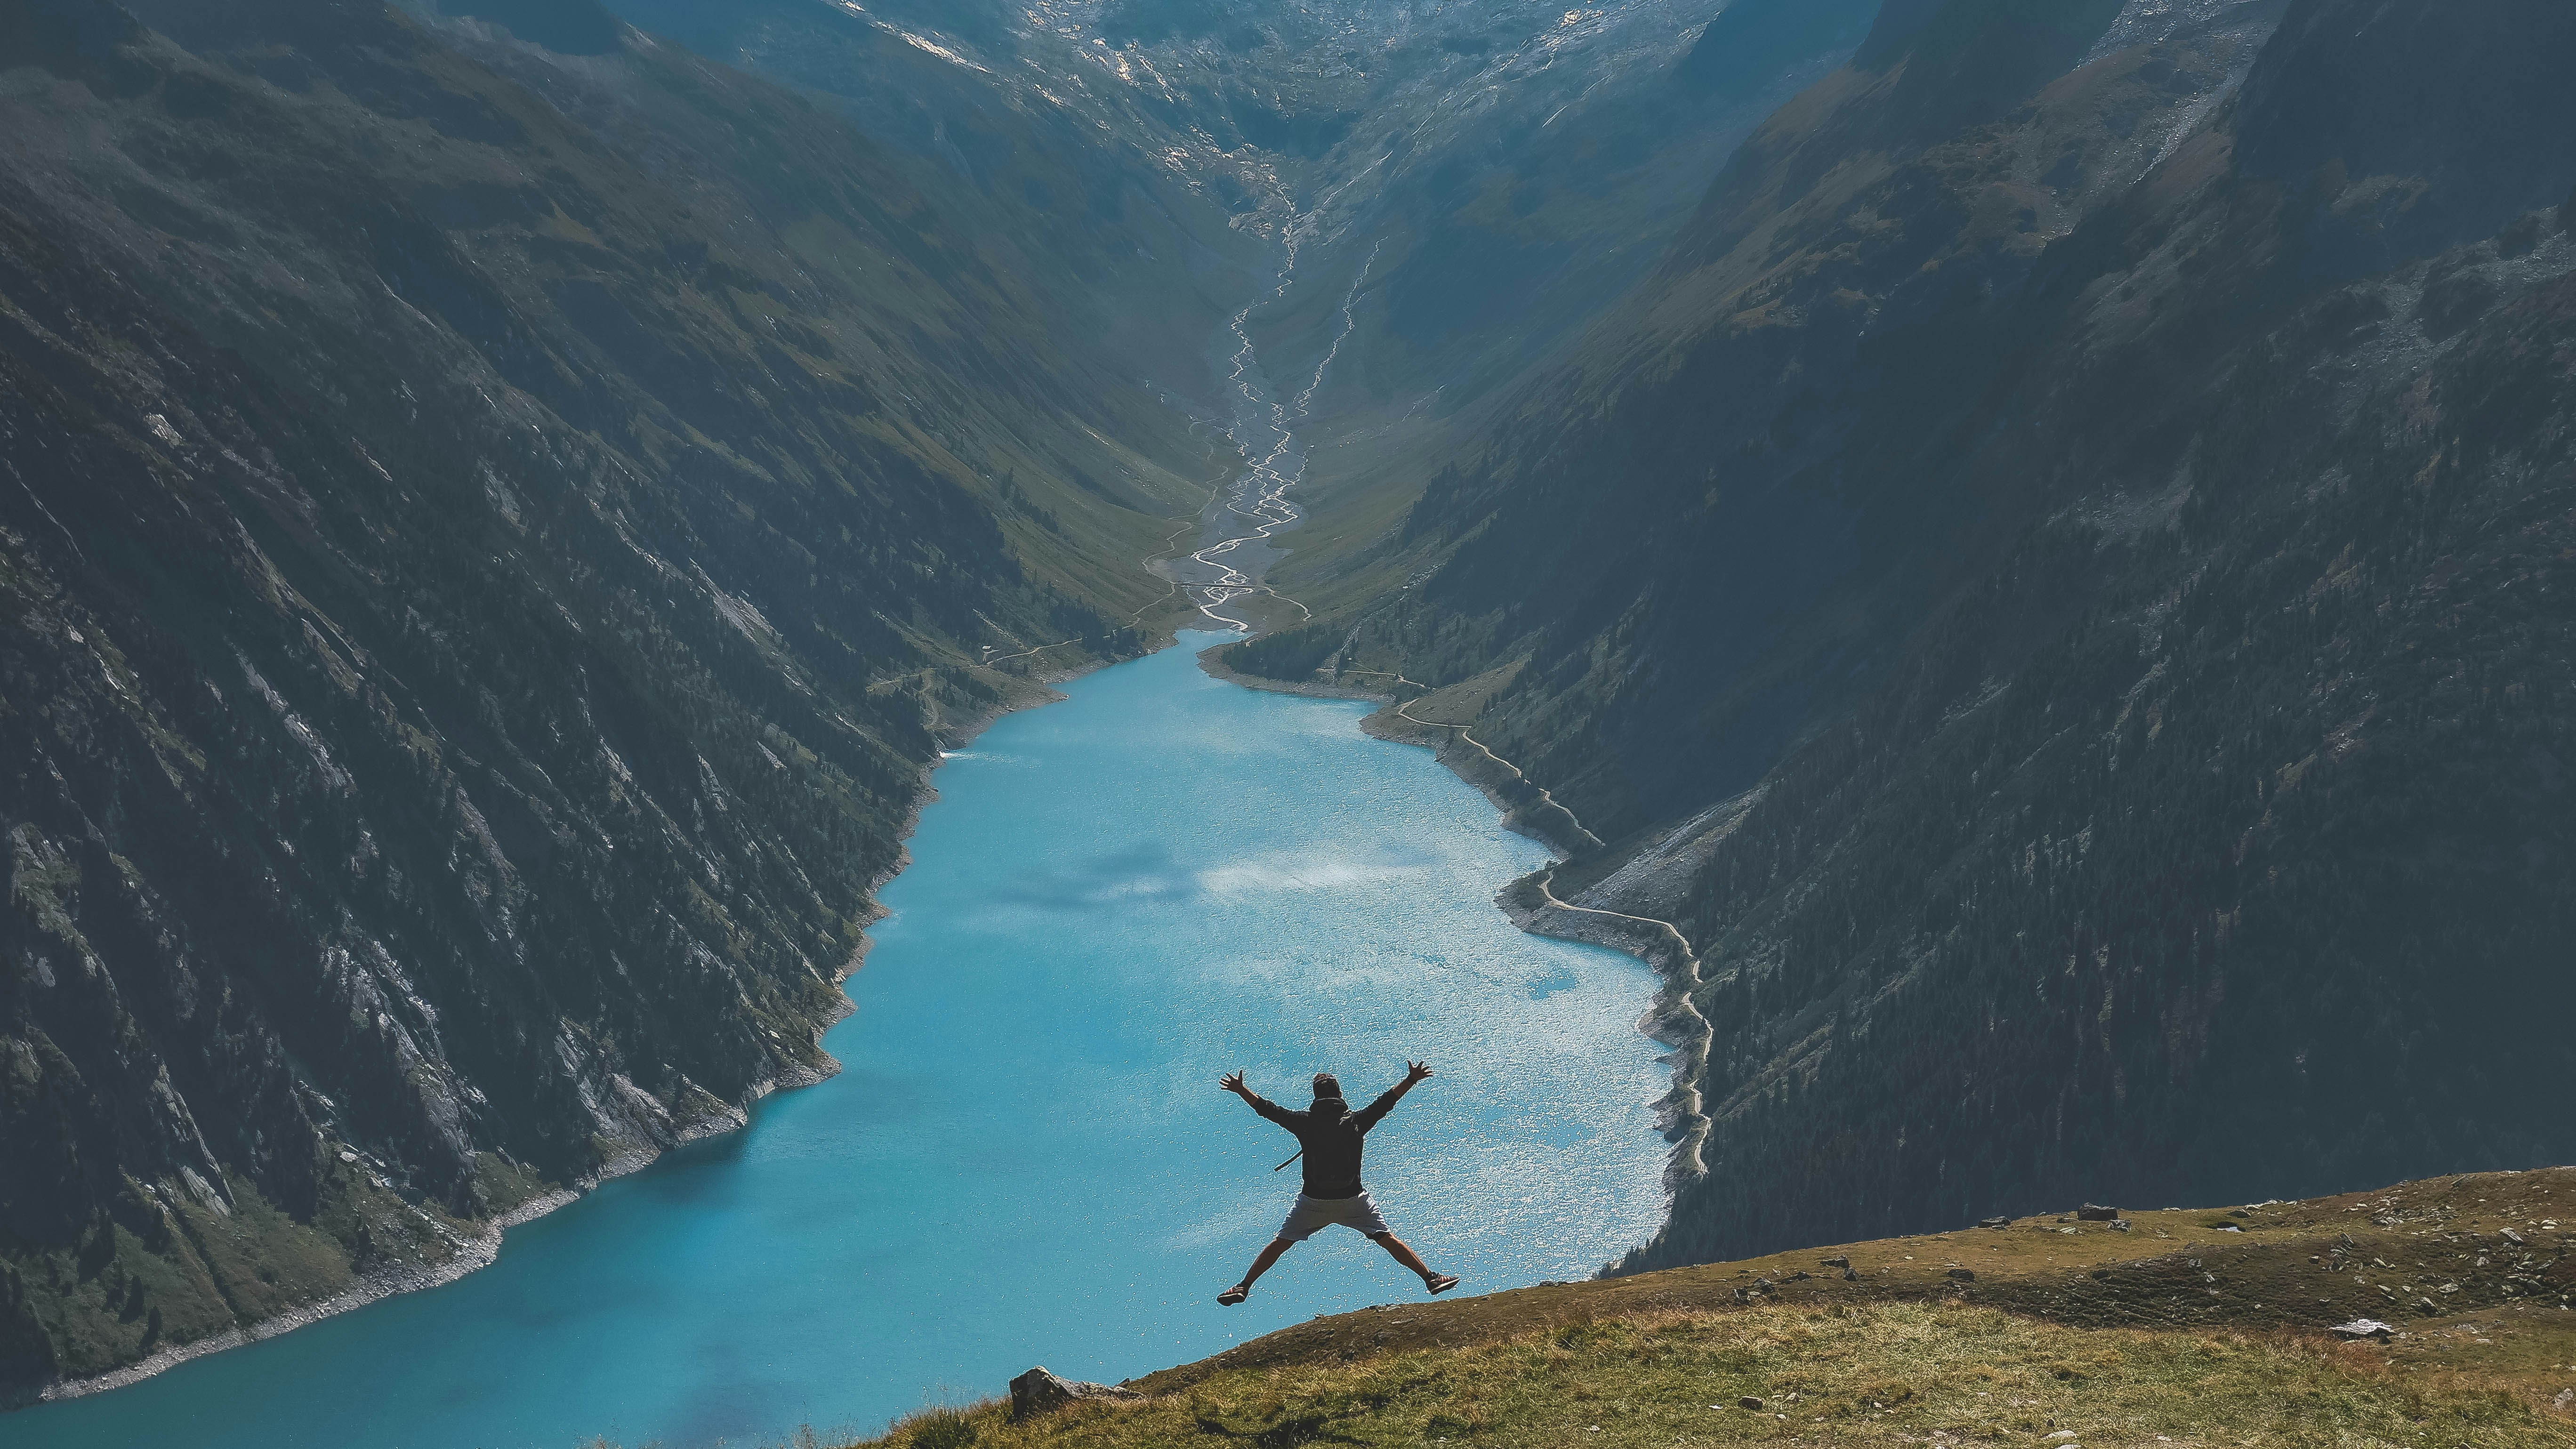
(2363, 1328)
(2094, 1213)
(1040, 1392)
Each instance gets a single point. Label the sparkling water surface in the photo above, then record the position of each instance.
(1026, 1159)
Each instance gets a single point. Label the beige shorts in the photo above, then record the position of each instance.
(1312, 1215)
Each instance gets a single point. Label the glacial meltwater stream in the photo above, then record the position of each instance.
(1027, 1159)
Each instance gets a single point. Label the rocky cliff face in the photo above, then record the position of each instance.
(2091, 493)
(491, 540)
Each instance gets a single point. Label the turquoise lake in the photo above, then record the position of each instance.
(1026, 1159)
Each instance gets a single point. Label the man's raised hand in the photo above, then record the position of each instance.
(1233, 1082)
(1416, 1071)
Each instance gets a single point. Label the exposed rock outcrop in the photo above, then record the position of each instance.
(1040, 1392)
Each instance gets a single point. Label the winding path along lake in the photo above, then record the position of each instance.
(1027, 1160)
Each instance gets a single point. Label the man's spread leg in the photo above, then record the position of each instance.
(1395, 1246)
(1260, 1265)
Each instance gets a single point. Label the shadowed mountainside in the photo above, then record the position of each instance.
(2058, 586)
(492, 540)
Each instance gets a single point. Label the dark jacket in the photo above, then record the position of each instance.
(1330, 1132)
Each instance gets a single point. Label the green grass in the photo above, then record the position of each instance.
(1874, 1374)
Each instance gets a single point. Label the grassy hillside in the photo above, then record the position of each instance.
(2184, 1327)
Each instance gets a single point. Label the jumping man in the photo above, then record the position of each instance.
(1329, 1134)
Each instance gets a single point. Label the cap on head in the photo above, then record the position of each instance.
(1327, 1085)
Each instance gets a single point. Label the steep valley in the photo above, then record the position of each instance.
(507, 510)
(2018, 549)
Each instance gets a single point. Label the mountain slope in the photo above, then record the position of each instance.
(1682, 467)
(492, 541)
(2265, 827)
(1061, 172)
(2057, 587)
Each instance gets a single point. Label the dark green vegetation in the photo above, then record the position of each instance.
(490, 542)
(2181, 1327)
(2059, 584)
(1287, 653)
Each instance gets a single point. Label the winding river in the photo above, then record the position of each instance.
(1114, 899)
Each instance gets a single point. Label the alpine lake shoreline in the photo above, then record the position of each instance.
(477, 1250)
(481, 1249)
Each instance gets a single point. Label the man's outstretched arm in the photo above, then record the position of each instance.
(1233, 1082)
(1369, 1115)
